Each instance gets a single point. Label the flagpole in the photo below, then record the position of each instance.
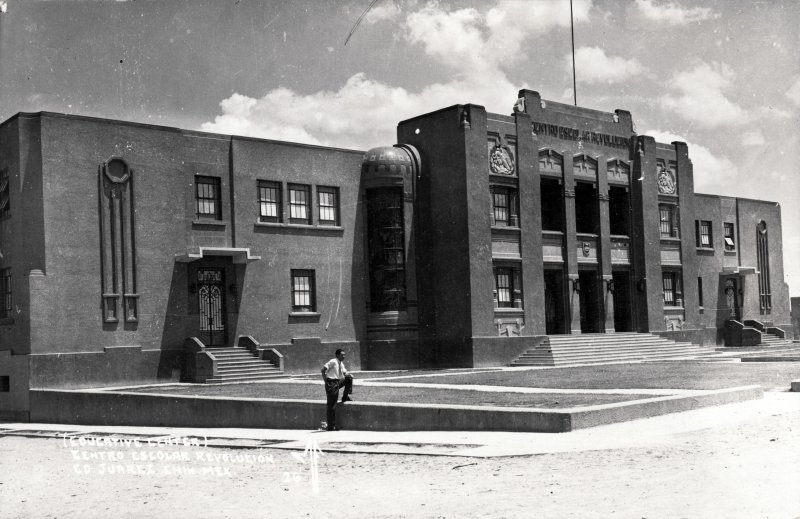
(572, 30)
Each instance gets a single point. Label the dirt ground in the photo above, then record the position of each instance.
(748, 468)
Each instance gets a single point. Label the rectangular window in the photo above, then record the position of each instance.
(303, 291)
(668, 282)
(704, 238)
(504, 207)
(328, 205)
(700, 291)
(668, 226)
(5, 293)
(269, 201)
(299, 204)
(730, 241)
(508, 287)
(5, 192)
(208, 197)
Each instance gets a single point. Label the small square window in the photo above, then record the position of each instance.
(269, 201)
(303, 291)
(730, 239)
(328, 205)
(5, 294)
(299, 204)
(5, 193)
(208, 198)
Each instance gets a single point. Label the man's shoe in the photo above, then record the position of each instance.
(346, 399)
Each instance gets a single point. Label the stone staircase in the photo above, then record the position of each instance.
(240, 365)
(770, 340)
(601, 348)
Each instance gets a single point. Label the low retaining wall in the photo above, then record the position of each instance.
(138, 409)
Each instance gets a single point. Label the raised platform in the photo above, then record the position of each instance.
(96, 407)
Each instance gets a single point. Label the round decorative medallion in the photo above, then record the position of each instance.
(117, 171)
(500, 161)
(666, 182)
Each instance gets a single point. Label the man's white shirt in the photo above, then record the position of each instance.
(335, 369)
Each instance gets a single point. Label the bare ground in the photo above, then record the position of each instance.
(745, 469)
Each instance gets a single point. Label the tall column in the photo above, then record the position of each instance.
(604, 244)
(571, 244)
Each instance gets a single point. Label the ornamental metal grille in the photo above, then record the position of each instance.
(269, 201)
(211, 302)
(208, 197)
(386, 245)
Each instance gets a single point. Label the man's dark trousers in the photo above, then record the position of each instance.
(332, 391)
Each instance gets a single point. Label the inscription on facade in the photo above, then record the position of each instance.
(584, 136)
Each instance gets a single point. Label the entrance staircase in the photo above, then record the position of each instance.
(771, 340)
(240, 365)
(601, 348)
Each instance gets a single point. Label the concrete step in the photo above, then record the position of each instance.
(242, 378)
(605, 348)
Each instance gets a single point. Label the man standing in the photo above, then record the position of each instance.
(335, 376)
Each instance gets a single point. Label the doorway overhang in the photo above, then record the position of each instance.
(743, 271)
(238, 255)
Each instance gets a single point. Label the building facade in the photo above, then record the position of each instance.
(467, 243)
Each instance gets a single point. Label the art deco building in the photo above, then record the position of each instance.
(134, 253)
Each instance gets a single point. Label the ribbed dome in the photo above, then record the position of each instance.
(389, 161)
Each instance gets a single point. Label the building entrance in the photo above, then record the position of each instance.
(210, 288)
(732, 298)
(591, 304)
(554, 302)
(623, 321)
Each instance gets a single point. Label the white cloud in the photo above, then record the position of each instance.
(794, 92)
(673, 14)
(701, 98)
(753, 138)
(709, 170)
(383, 11)
(364, 113)
(596, 67)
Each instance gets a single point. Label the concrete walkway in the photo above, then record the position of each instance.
(641, 432)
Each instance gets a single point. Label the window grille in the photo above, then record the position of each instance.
(668, 282)
(668, 225)
(704, 238)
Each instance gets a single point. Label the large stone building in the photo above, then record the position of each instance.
(465, 244)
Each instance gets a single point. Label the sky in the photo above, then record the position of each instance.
(720, 75)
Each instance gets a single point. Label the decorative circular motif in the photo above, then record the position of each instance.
(117, 171)
(500, 161)
(666, 182)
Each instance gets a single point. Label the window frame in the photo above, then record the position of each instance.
(305, 204)
(671, 220)
(700, 291)
(216, 198)
(704, 238)
(726, 226)
(508, 195)
(310, 291)
(263, 187)
(5, 193)
(513, 288)
(6, 293)
(323, 209)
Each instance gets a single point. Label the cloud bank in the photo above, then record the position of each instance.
(673, 14)
(701, 96)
